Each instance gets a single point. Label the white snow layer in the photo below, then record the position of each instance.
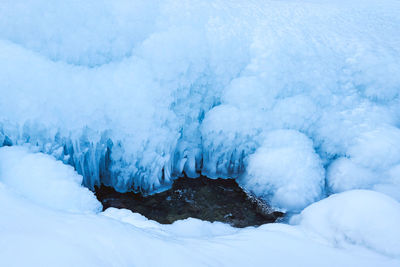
(355, 228)
(135, 93)
(41, 179)
(359, 217)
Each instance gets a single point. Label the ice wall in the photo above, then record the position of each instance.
(134, 93)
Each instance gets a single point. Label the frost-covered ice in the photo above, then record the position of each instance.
(286, 171)
(355, 228)
(296, 99)
(373, 163)
(135, 93)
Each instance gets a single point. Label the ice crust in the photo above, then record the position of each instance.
(134, 94)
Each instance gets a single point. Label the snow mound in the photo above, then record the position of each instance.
(359, 217)
(45, 181)
(285, 171)
(48, 237)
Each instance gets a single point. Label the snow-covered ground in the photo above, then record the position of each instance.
(299, 100)
(47, 219)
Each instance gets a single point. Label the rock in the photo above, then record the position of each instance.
(203, 198)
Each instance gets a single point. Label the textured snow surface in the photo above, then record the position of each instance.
(286, 171)
(360, 217)
(135, 93)
(355, 228)
(42, 180)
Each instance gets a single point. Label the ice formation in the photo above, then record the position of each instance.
(286, 171)
(135, 94)
(373, 163)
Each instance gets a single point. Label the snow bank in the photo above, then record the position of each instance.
(134, 94)
(48, 237)
(45, 181)
(359, 217)
(38, 193)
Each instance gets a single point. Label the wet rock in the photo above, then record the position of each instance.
(203, 198)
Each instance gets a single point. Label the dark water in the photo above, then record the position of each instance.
(203, 198)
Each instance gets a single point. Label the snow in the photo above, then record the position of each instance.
(135, 94)
(188, 228)
(297, 100)
(41, 179)
(56, 237)
(354, 228)
(360, 217)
